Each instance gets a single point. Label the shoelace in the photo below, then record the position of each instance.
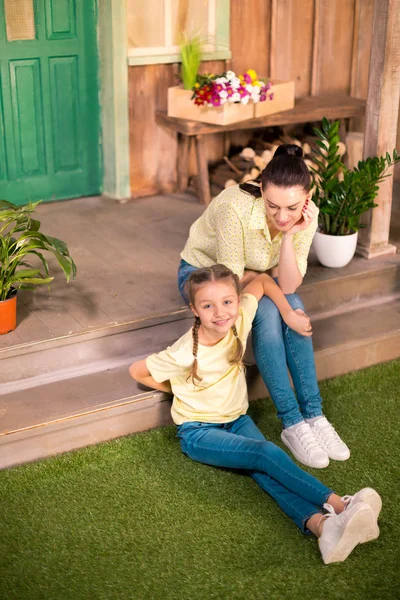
(330, 513)
(328, 434)
(307, 439)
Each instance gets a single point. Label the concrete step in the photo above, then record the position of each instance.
(325, 292)
(60, 416)
(31, 365)
(330, 291)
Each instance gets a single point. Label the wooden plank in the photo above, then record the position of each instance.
(364, 12)
(334, 106)
(381, 119)
(333, 44)
(291, 43)
(316, 50)
(202, 175)
(250, 35)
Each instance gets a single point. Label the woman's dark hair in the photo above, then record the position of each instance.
(198, 278)
(286, 169)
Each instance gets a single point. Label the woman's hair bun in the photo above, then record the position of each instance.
(289, 149)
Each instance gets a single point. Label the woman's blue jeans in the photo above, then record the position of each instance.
(277, 347)
(241, 445)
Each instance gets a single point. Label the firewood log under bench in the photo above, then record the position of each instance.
(307, 109)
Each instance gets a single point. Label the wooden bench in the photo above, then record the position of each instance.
(307, 109)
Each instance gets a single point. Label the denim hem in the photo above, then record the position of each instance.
(304, 528)
(292, 422)
(315, 413)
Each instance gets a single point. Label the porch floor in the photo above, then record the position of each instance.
(127, 257)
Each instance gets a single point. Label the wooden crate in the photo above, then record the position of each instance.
(283, 99)
(181, 106)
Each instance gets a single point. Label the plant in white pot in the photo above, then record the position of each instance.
(342, 195)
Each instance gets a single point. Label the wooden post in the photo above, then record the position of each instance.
(203, 182)
(381, 121)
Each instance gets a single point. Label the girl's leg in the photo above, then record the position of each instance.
(276, 347)
(287, 500)
(216, 445)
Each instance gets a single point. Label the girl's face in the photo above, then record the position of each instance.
(216, 303)
(284, 205)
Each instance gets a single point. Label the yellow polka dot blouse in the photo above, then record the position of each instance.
(233, 231)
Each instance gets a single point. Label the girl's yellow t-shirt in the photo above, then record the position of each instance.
(221, 396)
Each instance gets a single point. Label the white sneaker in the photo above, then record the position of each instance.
(371, 497)
(329, 440)
(303, 444)
(341, 533)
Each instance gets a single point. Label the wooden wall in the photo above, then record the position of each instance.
(323, 45)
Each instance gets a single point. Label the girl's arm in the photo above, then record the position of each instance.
(264, 285)
(140, 373)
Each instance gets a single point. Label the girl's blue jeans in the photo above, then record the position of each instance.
(241, 445)
(276, 348)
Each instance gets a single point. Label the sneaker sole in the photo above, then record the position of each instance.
(355, 533)
(373, 499)
(300, 458)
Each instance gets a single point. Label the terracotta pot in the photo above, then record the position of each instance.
(8, 314)
(335, 250)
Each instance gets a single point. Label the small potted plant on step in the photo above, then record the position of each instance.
(342, 195)
(20, 236)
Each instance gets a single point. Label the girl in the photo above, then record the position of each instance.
(250, 229)
(204, 371)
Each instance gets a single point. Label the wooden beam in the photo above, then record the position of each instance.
(381, 121)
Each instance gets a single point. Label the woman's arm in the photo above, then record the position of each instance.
(264, 285)
(289, 276)
(288, 272)
(140, 373)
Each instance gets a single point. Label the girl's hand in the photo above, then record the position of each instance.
(308, 214)
(299, 322)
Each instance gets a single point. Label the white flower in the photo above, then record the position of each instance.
(249, 87)
(245, 99)
(230, 75)
(223, 94)
(235, 82)
(235, 97)
(221, 80)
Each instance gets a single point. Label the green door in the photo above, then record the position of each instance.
(49, 107)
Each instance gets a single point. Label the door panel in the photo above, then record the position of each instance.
(49, 113)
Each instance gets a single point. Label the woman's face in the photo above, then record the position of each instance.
(284, 205)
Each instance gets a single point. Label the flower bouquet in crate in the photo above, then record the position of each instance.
(219, 99)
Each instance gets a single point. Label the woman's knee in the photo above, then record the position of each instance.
(294, 301)
(267, 312)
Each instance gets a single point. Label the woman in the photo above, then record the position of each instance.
(252, 229)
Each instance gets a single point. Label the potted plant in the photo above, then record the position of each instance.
(225, 98)
(20, 236)
(342, 195)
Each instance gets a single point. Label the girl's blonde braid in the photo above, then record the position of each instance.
(195, 334)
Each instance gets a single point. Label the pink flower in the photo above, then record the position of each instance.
(271, 96)
(247, 78)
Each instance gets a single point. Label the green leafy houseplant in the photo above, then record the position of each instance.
(20, 236)
(341, 194)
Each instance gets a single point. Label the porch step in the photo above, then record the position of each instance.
(55, 417)
(325, 292)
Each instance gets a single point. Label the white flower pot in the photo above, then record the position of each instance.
(335, 250)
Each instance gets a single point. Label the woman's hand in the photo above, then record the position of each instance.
(308, 214)
(298, 321)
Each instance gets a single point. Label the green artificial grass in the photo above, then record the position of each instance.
(135, 519)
